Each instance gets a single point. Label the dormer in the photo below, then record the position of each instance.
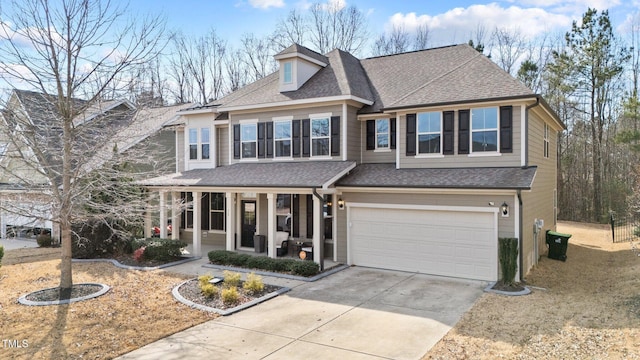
(297, 65)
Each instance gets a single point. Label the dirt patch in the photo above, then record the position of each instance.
(587, 307)
(138, 310)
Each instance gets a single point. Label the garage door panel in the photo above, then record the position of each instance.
(450, 243)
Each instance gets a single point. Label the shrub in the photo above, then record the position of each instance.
(508, 256)
(220, 257)
(253, 284)
(258, 262)
(230, 295)
(282, 265)
(204, 280)
(44, 240)
(159, 249)
(305, 268)
(231, 279)
(95, 239)
(209, 290)
(138, 254)
(1, 254)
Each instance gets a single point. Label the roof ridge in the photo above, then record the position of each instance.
(437, 78)
(413, 51)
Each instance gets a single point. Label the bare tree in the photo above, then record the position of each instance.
(397, 42)
(236, 70)
(510, 46)
(61, 50)
(258, 56)
(333, 26)
(179, 73)
(422, 37)
(290, 30)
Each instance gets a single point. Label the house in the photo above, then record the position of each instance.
(29, 117)
(417, 162)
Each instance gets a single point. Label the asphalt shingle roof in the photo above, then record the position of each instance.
(386, 175)
(297, 48)
(307, 174)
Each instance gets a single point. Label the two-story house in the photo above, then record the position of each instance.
(417, 162)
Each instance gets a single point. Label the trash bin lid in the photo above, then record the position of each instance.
(554, 233)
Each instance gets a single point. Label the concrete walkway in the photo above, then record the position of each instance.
(358, 313)
(17, 243)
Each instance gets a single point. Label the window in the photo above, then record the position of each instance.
(546, 140)
(193, 144)
(382, 133)
(288, 72)
(204, 143)
(484, 129)
(320, 137)
(428, 131)
(216, 206)
(187, 197)
(249, 140)
(282, 138)
(283, 212)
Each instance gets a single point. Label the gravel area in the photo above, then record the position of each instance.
(191, 291)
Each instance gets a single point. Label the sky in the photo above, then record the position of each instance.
(451, 21)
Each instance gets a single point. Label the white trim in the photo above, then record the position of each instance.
(408, 190)
(230, 142)
(281, 118)
(382, 150)
(429, 156)
(523, 131)
(343, 125)
(337, 177)
(248, 121)
(397, 117)
(296, 102)
(301, 56)
(220, 122)
(198, 111)
(485, 154)
(320, 116)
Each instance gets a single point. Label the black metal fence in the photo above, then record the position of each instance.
(625, 228)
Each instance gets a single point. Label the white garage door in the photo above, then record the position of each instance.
(450, 243)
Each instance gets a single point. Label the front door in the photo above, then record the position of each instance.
(248, 222)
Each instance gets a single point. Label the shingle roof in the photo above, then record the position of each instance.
(297, 48)
(307, 174)
(386, 175)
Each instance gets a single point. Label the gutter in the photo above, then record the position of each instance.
(526, 131)
(520, 234)
(321, 250)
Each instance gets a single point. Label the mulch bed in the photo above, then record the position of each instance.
(53, 294)
(507, 288)
(191, 291)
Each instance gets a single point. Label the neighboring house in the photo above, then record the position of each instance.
(23, 187)
(416, 162)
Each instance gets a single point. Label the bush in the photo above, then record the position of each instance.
(1, 254)
(204, 280)
(209, 290)
(44, 240)
(220, 257)
(508, 256)
(230, 296)
(305, 268)
(138, 255)
(96, 239)
(159, 249)
(253, 284)
(302, 268)
(231, 279)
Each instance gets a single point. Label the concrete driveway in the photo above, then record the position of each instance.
(358, 313)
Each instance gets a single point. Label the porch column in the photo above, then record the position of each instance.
(271, 226)
(230, 226)
(147, 217)
(175, 216)
(197, 231)
(163, 214)
(317, 230)
(213, 152)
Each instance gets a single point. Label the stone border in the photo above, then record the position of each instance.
(317, 277)
(271, 295)
(141, 268)
(525, 291)
(23, 299)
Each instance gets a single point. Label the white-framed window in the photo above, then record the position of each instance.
(320, 136)
(429, 133)
(287, 75)
(188, 210)
(382, 133)
(249, 140)
(216, 209)
(282, 138)
(484, 130)
(193, 144)
(204, 143)
(545, 140)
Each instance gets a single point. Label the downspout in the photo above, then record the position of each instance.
(520, 257)
(321, 250)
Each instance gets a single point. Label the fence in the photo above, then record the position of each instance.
(625, 228)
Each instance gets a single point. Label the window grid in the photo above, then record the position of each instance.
(429, 133)
(193, 144)
(546, 140)
(249, 140)
(382, 133)
(484, 130)
(282, 138)
(204, 143)
(320, 137)
(217, 209)
(288, 73)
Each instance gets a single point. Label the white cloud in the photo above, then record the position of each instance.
(457, 25)
(265, 4)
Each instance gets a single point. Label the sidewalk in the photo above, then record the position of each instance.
(17, 243)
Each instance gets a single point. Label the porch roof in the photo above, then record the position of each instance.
(305, 174)
(387, 176)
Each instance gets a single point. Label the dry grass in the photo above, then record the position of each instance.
(138, 309)
(589, 310)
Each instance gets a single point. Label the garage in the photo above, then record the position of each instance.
(447, 241)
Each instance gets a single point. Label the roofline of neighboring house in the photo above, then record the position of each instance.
(101, 111)
(296, 102)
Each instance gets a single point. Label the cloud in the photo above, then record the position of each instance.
(265, 4)
(457, 25)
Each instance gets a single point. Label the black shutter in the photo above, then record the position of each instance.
(296, 216)
(463, 131)
(309, 216)
(447, 133)
(306, 138)
(236, 141)
(411, 134)
(392, 133)
(295, 134)
(371, 134)
(335, 135)
(269, 139)
(205, 203)
(506, 129)
(261, 142)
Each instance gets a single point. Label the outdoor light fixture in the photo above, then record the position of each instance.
(340, 204)
(329, 203)
(504, 208)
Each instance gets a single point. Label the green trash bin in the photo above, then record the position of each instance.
(557, 244)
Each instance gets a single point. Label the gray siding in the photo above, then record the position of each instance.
(223, 146)
(374, 156)
(463, 160)
(179, 140)
(353, 134)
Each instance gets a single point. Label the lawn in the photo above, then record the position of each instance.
(585, 308)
